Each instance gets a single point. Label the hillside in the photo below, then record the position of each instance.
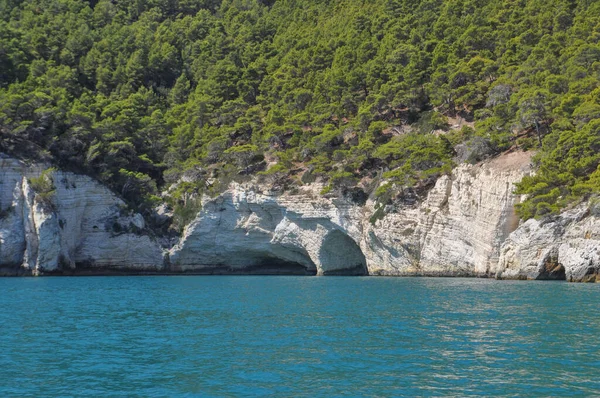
(378, 97)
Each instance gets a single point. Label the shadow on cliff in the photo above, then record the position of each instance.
(340, 255)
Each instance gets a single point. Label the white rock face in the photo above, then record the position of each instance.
(565, 246)
(83, 226)
(457, 230)
(466, 226)
(246, 231)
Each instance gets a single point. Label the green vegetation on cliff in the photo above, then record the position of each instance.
(141, 93)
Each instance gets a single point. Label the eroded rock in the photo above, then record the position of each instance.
(569, 244)
(457, 230)
(466, 226)
(71, 230)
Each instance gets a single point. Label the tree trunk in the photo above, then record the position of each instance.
(537, 128)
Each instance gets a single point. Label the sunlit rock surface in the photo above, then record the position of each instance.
(457, 230)
(82, 227)
(560, 247)
(465, 226)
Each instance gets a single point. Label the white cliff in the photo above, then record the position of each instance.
(81, 226)
(559, 247)
(466, 226)
(457, 230)
(245, 230)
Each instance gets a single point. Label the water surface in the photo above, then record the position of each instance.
(296, 336)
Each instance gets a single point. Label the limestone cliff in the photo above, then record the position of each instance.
(560, 247)
(457, 230)
(466, 226)
(81, 227)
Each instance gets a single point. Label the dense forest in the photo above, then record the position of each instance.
(374, 97)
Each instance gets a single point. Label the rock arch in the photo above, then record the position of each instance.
(340, 255)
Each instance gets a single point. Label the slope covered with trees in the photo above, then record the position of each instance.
(141, 93)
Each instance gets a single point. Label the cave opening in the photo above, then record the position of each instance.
(340, 255)
(552, 268)
(278, 266)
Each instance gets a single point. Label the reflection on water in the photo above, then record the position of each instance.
(296, 336)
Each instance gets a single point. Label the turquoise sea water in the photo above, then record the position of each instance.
(296, 336)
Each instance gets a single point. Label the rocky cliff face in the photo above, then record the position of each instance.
(82, 226)
(244, 230)
(457, 230)
(561, 247)
(466, 226)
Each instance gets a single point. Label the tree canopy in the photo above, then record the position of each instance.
(145, 93)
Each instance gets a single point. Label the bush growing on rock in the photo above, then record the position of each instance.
(44, 188)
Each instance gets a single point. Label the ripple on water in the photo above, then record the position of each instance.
(296, 336)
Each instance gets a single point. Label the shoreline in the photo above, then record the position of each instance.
(21, 272)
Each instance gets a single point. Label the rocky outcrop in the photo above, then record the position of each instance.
(459, 228)
(457, 231)
(246, 231)
(81, 227)
(559, 247)
(466, 226)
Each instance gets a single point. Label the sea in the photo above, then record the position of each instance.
(297, 336)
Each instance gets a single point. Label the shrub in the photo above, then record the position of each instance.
(44, 188)
(242, 155)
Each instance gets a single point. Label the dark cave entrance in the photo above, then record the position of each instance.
(278, 266)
